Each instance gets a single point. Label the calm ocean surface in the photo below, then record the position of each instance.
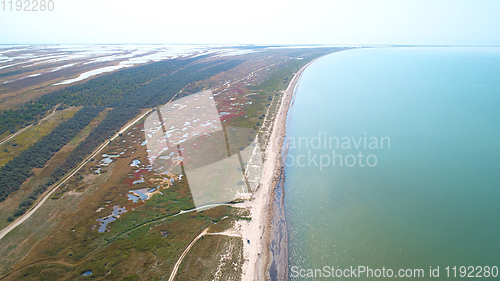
(430, 196)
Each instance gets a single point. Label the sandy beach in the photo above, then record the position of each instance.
(258, 231)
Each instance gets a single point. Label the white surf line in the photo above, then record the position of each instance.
(24, 217)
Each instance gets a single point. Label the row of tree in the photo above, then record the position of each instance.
(116, 119)
(101, 91)
(11, 120)
(162, 89)
(111, 88)
(16, 171)
(127, 91)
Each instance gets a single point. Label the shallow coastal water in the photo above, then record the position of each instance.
(407, 159)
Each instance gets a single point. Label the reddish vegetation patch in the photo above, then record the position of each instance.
(231, 103)
(237, 89)
(137, 176)
(128, 182)
(226, 115)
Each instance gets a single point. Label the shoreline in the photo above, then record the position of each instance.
(259, 231)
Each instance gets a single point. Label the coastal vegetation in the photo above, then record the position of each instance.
(16, 171)
(141, 86)
(23, 140)
(148, 238)
(123, 92)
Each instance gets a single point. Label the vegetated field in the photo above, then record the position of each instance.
(146, 239)
(19, 169)
(148, 233)
(126, 91)
(221, 257)
(26, 139)
(40, 176)
(141, 86)
(90, 127)
(34, 70)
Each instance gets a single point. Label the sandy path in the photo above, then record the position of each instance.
(8, 138)
(178, 263)
(24, 217)
(27, 127)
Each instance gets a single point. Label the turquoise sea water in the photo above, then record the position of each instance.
(432, 198)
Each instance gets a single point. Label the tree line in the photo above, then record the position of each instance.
(17, 170)
(127, 91)
(115, 119)
(101, 91)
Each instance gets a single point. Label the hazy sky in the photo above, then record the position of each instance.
(256, 22)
